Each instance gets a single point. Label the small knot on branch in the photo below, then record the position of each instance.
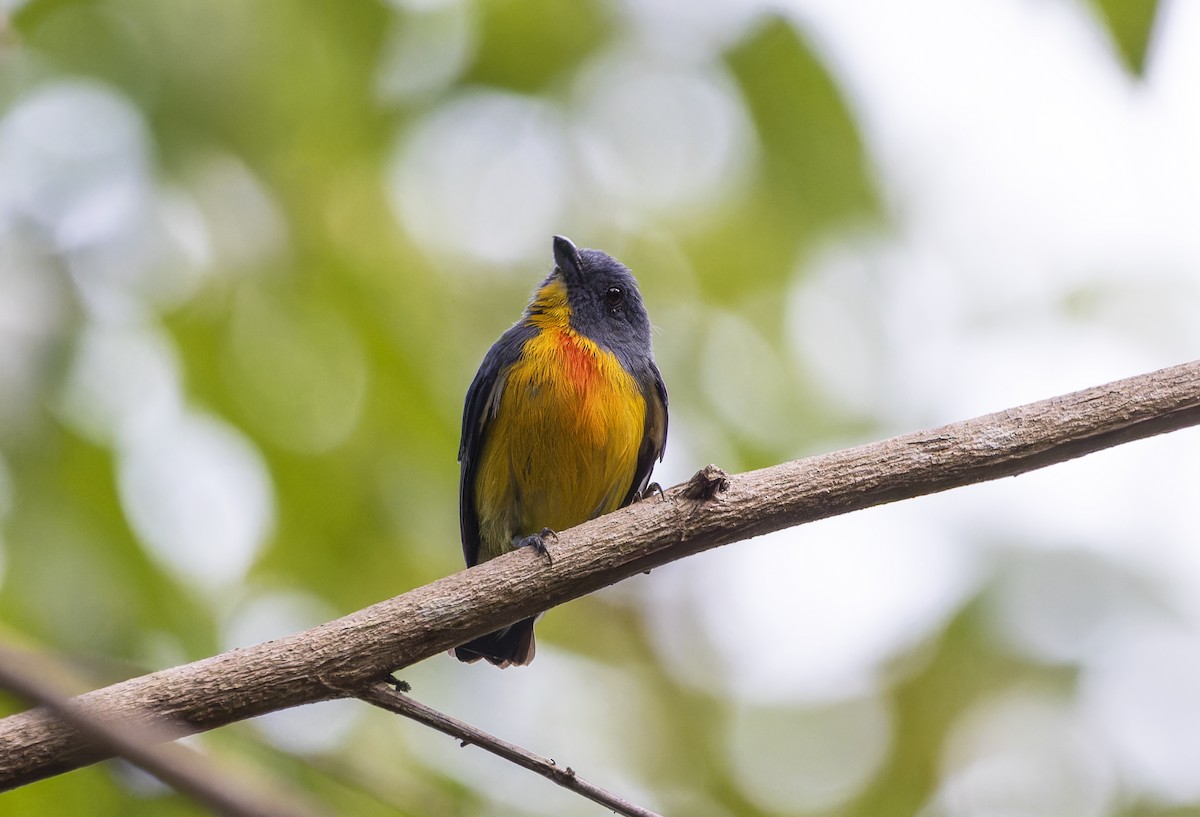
(706, 483)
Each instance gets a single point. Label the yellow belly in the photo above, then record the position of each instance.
(563, 446)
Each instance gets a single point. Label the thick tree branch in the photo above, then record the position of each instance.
(361, 648)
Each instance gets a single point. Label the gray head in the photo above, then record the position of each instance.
(606, 306)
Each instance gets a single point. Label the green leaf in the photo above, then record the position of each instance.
(1130, 23)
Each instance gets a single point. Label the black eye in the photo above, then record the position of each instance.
(614, 297)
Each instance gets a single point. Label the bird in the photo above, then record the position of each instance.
(563, 422)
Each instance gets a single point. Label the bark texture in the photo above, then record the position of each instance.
(342, 658)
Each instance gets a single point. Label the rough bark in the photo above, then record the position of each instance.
(345, 656)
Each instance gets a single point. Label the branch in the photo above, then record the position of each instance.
(385, 697)
(183, 769)
(353, 652)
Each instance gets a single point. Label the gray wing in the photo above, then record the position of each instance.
(654, 439)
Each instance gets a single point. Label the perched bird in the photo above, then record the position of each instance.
(563, 422)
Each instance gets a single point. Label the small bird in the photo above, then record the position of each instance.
(562, 423)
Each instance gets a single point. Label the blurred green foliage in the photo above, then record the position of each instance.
(1131, 23)
(342, 350)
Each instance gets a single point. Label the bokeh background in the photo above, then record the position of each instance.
(252, 253)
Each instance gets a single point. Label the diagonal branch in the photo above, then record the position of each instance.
(361, 648)
(222, 791)
(384, 696)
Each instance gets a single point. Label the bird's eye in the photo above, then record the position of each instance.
(614, 297)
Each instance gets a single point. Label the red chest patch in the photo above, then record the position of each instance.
(578, 361)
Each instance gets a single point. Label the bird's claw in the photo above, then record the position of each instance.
(537, 541)
(650, 490)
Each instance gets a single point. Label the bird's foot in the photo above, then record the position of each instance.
(537, 541)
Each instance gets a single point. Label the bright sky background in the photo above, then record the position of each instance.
(1023, 169)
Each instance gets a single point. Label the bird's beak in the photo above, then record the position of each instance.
(566, 258)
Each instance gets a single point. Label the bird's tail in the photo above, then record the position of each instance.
(512, 646)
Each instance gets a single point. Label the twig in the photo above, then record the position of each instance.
(361, 648)
(183, 769)
(384, 696)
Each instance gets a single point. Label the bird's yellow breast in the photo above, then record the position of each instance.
(563, 445)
